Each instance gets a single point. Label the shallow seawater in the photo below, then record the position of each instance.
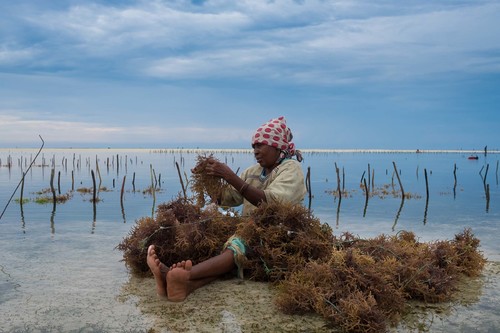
(60, 271)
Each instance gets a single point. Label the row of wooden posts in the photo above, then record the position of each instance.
(154, 181)
(364, 182)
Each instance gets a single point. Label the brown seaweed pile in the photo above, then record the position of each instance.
(365, 283)
(358, 285)
(180, 230)
(282, 238)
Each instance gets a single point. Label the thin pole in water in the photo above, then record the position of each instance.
(22, 179)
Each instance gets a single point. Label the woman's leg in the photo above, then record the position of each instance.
(159, 271)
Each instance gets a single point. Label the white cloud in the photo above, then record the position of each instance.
(335, 51)
(327, 42)
(103, 30)
(15, 130)
(11, 55)
(218, 63)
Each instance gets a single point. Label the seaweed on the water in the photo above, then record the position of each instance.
(358, 285)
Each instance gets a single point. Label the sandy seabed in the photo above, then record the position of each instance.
(232, 306)
(222, 306)
(96, 303)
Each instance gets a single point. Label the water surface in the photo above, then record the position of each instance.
(60, 271)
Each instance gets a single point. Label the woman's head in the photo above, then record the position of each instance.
(275, 133)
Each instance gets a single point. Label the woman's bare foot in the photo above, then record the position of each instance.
(159, 270)
(181, 264)
(178, 281)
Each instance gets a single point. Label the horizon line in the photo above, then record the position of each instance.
(249, 150)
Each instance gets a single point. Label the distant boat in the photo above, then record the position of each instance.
(473, 157)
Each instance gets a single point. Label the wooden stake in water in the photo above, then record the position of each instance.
(497, 172)
(94, 187)
(402, 197)
(427, 196)
(94, 199)
(367, 195)
(399, 179)
(98, 173)
(180, 178)
(486, 175)
(369, 174)
(426, 184)
(54, 198)
(22, 179)
(455, 183)
(123, 187)
(59, 182)
(343, 179)
(22, 190)
(156, 181)
(487, 197)
(486, 187)
(308, 186)
(338, 181)
(373, 180)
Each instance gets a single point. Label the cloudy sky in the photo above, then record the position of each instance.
(382, 74)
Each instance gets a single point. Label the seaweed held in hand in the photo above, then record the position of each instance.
(204, 184)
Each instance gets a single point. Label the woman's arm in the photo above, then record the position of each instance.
(249, 192)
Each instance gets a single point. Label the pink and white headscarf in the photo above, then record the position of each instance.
(275, 133)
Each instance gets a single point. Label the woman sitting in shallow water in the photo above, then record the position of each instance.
(275, 178)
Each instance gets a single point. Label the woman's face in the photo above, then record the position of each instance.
(266, 155)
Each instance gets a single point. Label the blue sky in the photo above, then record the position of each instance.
(360, 74)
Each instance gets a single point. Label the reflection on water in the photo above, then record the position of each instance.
(52, 224)
(398, 213)
(426, 209)
(61, 259)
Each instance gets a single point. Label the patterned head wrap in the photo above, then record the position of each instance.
(275, 133)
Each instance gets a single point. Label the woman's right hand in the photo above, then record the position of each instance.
(201, 167)
(218, 169)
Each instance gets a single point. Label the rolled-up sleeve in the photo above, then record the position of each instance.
(286, 184)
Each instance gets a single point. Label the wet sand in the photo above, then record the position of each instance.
(233, 306)
(228, 306)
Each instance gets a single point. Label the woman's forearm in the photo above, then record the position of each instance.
(254, 195)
